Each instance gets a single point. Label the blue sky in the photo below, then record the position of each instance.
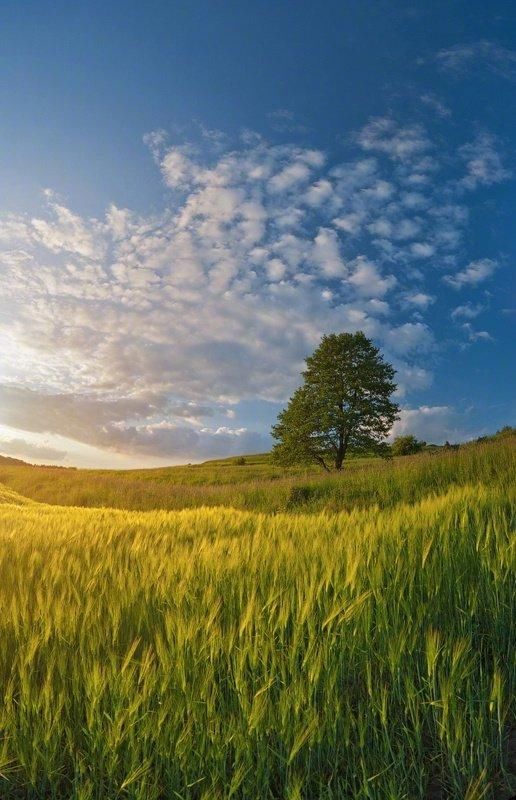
(194, 192)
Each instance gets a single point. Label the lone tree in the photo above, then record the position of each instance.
(344, 403)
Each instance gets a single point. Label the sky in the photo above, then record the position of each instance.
(193, 193)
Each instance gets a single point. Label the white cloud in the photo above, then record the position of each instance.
(419, 300)
(350, 223)
(289, 177)
(156, 141)
(476, 336)
(318, 193)
(275, 269)
(483, 163)
(407, 229)
(298, 171)
(178, 169)
(14, 231)
(467, 311)
(410, 377)
(408, 338)
(367, 280)
(474, 273)
(422, 249)
(68, 232)
(326, 254)
(414, 200)
(377, 307)
(380, 191)
(380, 227)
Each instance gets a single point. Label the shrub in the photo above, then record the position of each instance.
(406, 445)
(299, 495)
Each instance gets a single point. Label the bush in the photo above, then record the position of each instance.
(406, 446)
(300, 495)
(240, 461)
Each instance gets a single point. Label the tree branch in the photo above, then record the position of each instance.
(321, 461)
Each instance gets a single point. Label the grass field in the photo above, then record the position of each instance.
(358, 642)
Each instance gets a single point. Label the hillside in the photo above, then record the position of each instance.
(7, 461)
(258, 485)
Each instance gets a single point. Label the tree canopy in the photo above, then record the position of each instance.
(343, 404)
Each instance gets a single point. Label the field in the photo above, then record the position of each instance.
(260, 486)
(228, 631)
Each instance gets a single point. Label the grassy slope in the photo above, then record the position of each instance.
(362, 654)
(260, 486)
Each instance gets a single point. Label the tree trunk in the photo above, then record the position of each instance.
(341, 451)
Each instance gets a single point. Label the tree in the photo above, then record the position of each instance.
(344, 404)
(406, 445)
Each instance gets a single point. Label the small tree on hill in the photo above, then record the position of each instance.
(406, 445)
(344, 404)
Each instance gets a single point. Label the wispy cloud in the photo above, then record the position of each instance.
(437, 105)
(476, 336)
(462, 316)
(399, 142)
(483, 54)
(285, 121)
(467, 311)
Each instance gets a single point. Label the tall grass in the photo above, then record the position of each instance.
(217, 653)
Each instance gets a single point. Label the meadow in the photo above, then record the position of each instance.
(260, 633)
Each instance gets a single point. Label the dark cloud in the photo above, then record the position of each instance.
(121, 426)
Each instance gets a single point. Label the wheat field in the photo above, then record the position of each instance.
(217, 653)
